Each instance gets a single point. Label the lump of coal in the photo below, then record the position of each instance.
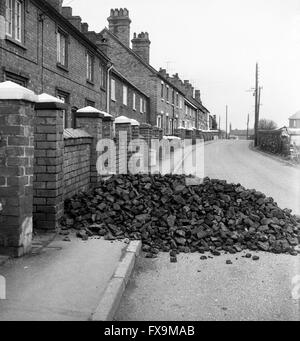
(167, 214)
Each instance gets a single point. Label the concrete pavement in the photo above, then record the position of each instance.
(62, 281)
(212, 290)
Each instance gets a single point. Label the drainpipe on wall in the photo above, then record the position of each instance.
(108, 90)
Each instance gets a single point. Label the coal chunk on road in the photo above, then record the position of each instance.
(167, 214)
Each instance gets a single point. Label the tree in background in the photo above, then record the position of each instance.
(265, 124)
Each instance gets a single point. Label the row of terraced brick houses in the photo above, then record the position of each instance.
(62, 89)
(49, 50)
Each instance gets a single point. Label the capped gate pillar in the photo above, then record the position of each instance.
(16, 168)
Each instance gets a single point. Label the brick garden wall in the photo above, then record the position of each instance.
(76, 165)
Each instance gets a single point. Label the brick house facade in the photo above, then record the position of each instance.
(53, 54)
(126, 99)
(294, 121)
(166, 97)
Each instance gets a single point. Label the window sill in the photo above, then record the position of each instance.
(62, 67)
(102, 89)
(15, 42)
(90, 82)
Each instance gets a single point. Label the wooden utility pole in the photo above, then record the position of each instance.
(226, 122)
(248, 127)
(256, 107)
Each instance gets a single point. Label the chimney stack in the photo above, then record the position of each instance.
(198, 96)
(57, 4)
(119, 25)
(141, 45)
(84, 27)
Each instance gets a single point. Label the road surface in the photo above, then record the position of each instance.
(196, 290)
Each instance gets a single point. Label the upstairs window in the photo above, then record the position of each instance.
(61, 48)
(162, 90)
(125, 94)
(113, 89)
(18, 21)
(134, 101)
(9, 17)
(180, 102)
(89, 67)
(141, 105)
(158, 122)
(102, 77)
(167, 94)
(14, 19)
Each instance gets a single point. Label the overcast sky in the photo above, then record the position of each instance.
(215, 44)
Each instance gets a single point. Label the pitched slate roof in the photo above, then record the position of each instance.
(295, 116)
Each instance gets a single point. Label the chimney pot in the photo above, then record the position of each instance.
(141, 46)
(119, 24)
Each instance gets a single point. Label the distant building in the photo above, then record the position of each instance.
(295, 120)
(239, 134)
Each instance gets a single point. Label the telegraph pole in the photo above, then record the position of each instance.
(226, 122)
(248, 127)
(257, 95)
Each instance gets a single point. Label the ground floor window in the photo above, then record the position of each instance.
(12, 77)
(65, 97)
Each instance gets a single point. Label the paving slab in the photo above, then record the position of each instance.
(60, 281)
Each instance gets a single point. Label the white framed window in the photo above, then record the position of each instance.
(89, 67)
(61, 49)
(144, 106)
(167, 94)
(113, 90)
(170, 126)
(14, 19)
(125, 94)
(141, 105)
(18, 21)
(134, 101)
(180, 102)
(158, 121)
(102, 77)
(9, 17)
(162, 90)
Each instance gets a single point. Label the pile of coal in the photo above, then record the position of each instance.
(170, 216)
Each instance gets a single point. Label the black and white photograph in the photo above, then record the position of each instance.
(149, 163)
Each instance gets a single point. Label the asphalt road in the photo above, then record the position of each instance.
(196, 290)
